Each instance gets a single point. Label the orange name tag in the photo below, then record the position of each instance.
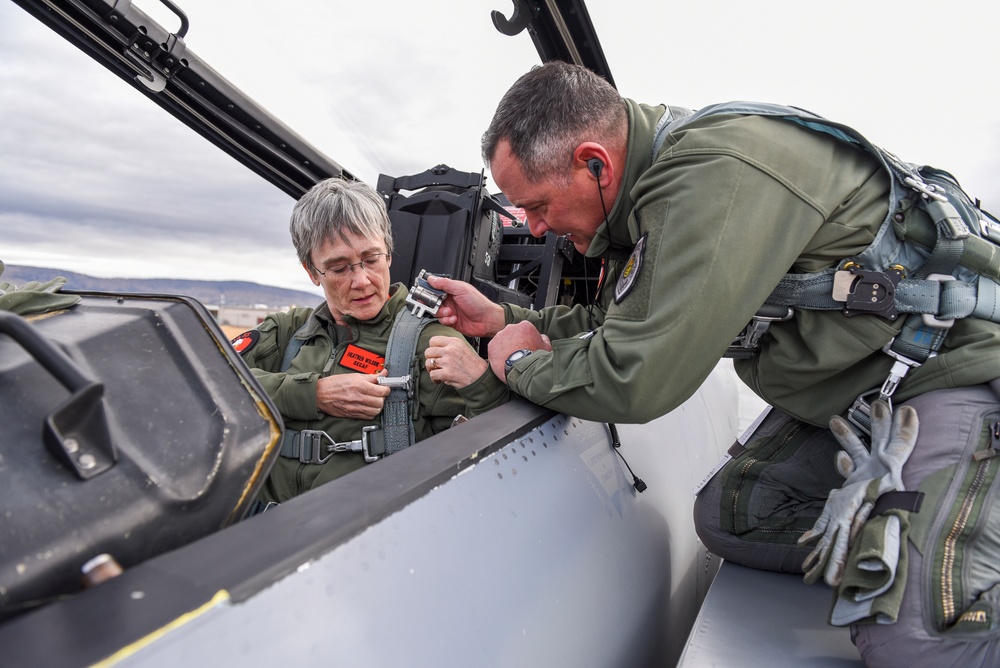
(359, 359)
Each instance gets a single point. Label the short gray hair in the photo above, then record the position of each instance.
(550, 111)
(334, 208)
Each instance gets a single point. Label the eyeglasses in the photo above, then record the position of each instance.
(370, 263)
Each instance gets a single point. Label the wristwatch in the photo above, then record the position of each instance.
(515, 356)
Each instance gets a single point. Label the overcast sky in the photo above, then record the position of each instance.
(94, 178)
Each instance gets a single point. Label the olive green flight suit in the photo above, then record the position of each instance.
(294, 391)
(698, 238)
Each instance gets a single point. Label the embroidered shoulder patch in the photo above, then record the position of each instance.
(359, 359)
(245, 341)
(631, 271)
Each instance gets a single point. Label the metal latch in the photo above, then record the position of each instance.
(396, 382)
(316, 446)
(423, 298)
(366, 444)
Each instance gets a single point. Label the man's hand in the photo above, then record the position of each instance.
(351, 395)
(868, 476)
(467, 309)
(514, 337)
(452, 361)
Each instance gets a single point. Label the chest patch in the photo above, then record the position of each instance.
(631, 271)
(359, 359)
(245, 341)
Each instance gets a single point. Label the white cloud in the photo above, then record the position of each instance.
(98, 177)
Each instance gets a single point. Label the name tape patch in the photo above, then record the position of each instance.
(359, 359)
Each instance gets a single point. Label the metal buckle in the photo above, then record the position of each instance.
(396, 383)
(365, 443)
(929, 318)
(860, 413)
(750, 337)
(422, 298)
(900, 368)
(924, 189)
(312, 446)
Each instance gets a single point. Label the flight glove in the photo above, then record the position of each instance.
(35, 297)
(868, 475)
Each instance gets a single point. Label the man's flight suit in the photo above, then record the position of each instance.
(700, 235)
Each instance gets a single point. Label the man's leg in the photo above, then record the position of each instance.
(950, 611)
(754, 510)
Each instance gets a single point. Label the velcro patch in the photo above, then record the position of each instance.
(245, 341)
(359, 359)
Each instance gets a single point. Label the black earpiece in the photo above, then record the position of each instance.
(595, 165)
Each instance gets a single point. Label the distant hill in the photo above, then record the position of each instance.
(229, 293)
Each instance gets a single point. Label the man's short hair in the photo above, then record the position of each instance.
(334, 208)
(550, 111)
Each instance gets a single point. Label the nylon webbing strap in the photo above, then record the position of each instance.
(290, 444)
(987, 300)
(397, 427)
(952, 232)
(898, 500)
(669, 121)
(945, 300)
(292, 349)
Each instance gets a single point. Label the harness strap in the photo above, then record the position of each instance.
(397, 425)
(917, 342)
(293, 348)
(897, 500)
(987, 300)
(668, 122)
(946, 300)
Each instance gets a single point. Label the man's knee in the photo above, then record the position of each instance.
(754, 510)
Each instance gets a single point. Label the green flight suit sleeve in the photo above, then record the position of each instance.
(441, 403)
(557, 322)
(294, 394)
(725, 211)
(485, 393)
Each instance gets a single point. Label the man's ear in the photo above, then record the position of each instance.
(595, 159)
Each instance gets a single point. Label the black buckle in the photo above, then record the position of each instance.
(873, 292)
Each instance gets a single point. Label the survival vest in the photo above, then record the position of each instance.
(933, 273)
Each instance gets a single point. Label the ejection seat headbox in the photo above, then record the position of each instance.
(445, 222)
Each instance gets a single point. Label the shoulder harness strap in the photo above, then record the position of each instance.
(397, 423)
(293, 347)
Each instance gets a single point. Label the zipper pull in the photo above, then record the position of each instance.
(994, 448)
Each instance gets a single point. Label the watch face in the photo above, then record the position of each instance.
(515, 356)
